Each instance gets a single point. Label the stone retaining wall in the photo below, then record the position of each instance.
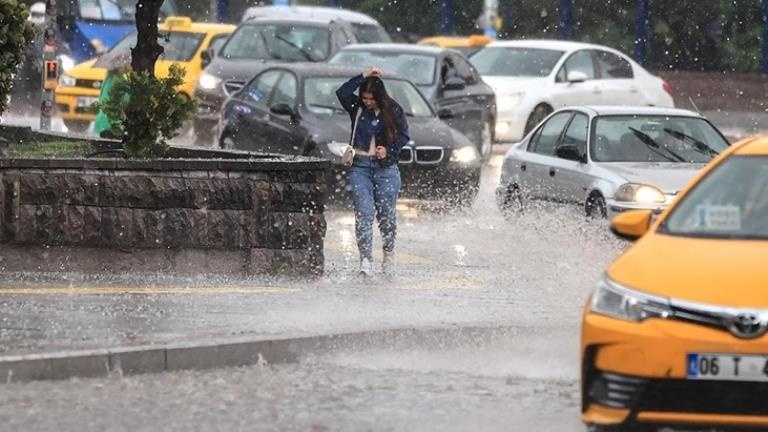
(175, 215)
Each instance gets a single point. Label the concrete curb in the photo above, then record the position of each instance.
(221, 353)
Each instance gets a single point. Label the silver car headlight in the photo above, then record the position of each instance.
(208, 81)
(464, 154)
(67, 80)
(508, 102)
(614, 300)
(337, 148)
(641, 193)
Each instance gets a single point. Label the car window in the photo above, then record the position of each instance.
(217, 42)
(580, 61)
(286, 42)
(117, 10)
(647, 138)
(177, 46)
(547, 139)
(513, 61)
(464, 70)
(730, 202)
(320, 96)
(257, 92)
(576, 134)
(369, 33)
(285, 91)
(419, 69)
(613, 66)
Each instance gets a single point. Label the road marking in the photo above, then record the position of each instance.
(149, 290)
(453, 283)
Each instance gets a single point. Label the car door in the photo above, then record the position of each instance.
(454, 106)
(616, 78)
(538, 170)
(283, 131)
(571, 178)
(248, 116)
(569, 92)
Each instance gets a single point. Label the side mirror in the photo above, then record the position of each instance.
(206, 57)
(576, 77)
(569, 152)
(445, 113)
(283, 109)
(631, 224)
(454, 83)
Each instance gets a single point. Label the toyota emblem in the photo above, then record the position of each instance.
(747, 326)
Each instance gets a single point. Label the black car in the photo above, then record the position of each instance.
(255, 45)
(293, 109)
(444, 76)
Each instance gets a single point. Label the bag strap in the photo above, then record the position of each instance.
(354, 126)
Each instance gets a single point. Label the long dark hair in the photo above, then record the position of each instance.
(375, 86)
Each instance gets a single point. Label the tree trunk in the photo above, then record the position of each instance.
(147, 50)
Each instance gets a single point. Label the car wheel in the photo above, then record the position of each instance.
(539, 113)
(486, 141)
(77, 126)
(510, 202)
(595, 207)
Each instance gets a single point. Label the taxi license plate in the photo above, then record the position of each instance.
(727, 367)
(84, 102)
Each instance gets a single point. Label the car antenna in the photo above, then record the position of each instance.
(694, 105)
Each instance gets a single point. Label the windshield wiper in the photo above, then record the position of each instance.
(266, 47)
(304, 53)
(653, 145)
(697, 145)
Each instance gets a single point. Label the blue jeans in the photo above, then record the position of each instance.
(374, 191)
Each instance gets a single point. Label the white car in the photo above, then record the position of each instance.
(532, 78)
(608, 159)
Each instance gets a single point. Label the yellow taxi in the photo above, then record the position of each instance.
(675, 332)
(184, 42)
(465, 44)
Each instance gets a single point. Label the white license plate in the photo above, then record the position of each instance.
(727, 367)
(84, 102)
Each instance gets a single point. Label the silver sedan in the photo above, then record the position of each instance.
(608, 159)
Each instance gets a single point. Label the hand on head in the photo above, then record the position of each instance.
(373, 71)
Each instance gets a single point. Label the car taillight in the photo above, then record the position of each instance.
(667, 87)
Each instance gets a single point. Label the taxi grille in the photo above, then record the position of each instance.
(94, 84)
(707, 397)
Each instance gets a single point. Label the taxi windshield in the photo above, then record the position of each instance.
(177, 46)
(730, 202)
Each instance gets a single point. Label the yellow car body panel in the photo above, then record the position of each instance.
(709, 272)
(66, 97)
(472, 41)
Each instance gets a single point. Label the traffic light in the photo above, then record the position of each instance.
(51, 74)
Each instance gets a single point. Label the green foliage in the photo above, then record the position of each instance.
(150, 111)
(54, 149)
(15, 34)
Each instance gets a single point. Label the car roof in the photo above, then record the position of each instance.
(184, 24)
(396, 47)
(550, 44)
(470, 41)
(307, 21)
(325, 14)
(606, 110)
(753, 146)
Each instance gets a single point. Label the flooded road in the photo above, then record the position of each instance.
(519, 284)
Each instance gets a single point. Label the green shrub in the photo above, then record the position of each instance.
(150, 111)
(15, 34)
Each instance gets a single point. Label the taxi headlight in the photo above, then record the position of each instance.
(67, 80)
(633, 192)
(464, 154)
(508, 102)
(614, 300)
(208, 81)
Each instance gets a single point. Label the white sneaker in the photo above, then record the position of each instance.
(365, 267)
(388, 266)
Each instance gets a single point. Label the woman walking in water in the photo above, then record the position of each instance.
(379, 132)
